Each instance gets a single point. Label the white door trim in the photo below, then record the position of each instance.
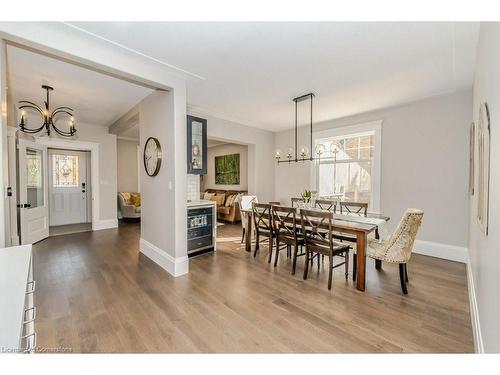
(93, 147)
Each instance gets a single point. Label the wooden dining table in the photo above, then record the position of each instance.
(358, 226)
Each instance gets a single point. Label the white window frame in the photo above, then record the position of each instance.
(345, 131)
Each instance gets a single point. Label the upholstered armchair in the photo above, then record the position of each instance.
(126, 205)
(398, 248)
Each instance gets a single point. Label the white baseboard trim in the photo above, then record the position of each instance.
(105, 224)
(474, 312)
(174, 266)
(441, 250)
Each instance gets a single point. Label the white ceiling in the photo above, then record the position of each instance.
(252, 71)
(97, 99)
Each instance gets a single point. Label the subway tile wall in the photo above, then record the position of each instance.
(193, 187)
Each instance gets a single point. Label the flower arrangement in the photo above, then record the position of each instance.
(306, 195)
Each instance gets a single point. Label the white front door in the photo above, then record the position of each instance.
(33, 197)
(68, 187)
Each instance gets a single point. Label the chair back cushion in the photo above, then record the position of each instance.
(399, 246)
(247, 200)
(124, 198)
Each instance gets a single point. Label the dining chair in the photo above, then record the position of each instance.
(297, 201)
(320, 242)
(245, 202)
(398, 248)
(263, 224)
(288, 232)
(326, 204)
(353, 208)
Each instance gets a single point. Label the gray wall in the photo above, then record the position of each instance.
(424, 163)
(127, 165)
(160, 224)
(484, 251)
(107, 167)
(209, 178)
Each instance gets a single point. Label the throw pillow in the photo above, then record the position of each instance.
(223, 200)
(229, 200)
(135, 199)
(208, 196)
(217, 199)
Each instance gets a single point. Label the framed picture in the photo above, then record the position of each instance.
(196, 145)
(472, 150)
(227, 169)
(483, 170)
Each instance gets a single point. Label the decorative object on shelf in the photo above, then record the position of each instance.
(197, 145)
(472, 136)
(227, 169)
(483, 177)
(49, 118)
(152, 156)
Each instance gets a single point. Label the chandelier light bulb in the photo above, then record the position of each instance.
(277, 154)
(304, 151)
(289, 153)
(320, 149)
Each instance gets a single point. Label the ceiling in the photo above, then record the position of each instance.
(97, 99)
(249, 72)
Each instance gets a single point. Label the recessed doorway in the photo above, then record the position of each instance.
(69, 181)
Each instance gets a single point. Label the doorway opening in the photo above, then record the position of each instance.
(226, 182)
(69, 191)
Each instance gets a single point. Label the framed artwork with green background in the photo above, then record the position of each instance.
(227, 169)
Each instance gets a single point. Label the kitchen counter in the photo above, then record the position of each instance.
(200, 203)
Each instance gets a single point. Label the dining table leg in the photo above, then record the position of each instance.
(248, 233)
(361, 261)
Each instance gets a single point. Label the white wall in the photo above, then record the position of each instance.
(4, 201)
(209, 178)
(162, 224)
(260, 151)
(107, 167)
(127, 165)
(424, 164)
(484, 251)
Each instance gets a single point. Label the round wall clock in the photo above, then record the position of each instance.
(152, 156)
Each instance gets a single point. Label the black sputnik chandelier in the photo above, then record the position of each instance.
(49, 117)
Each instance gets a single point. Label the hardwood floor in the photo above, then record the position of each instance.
(97, 293)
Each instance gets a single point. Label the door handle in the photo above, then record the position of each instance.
(26, 205)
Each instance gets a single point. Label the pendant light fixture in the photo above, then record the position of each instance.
(48, 117)
(304, 153)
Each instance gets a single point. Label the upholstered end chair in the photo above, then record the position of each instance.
(398, 248)
(245, 202)
(129, 205)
